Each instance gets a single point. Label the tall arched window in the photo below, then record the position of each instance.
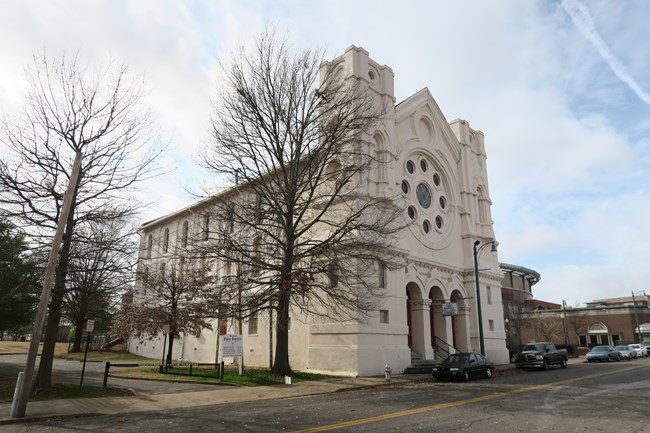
(149, 246)
(380, 149)
(206, 226)
(166, 241)
(482, 205)
(186, 228)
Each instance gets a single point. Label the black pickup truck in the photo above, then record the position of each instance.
(541, 355)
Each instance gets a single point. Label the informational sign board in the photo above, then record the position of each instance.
(90, 325)
(450, 309)
(165, 329)
(231, 345)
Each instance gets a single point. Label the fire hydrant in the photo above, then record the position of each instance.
(387, 372)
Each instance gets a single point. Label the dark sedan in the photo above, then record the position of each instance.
(463, 366)
(603, 353)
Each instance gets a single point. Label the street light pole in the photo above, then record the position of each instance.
(636, 317)
(477, 250)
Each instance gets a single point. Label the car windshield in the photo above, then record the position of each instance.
(537, 347)
(635, 346)
(621, 348)
(600, 349)
(457, 358)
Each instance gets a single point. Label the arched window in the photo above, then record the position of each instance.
(166, 241)
(186, 229)
(149, 246)
(380, 149)
(482, 205)
(206, 226)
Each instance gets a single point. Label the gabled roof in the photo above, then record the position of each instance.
(417, 102)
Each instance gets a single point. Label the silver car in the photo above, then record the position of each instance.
(640, 350)
(626, 352)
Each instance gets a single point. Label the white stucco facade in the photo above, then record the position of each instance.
(436, 171)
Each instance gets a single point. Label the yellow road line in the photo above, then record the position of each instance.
(455, 403)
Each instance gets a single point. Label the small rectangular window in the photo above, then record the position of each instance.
(252, 324)
(383, 316)
(491, 325)
(489, 294)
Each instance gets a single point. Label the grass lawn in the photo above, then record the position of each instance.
(19, 347)
(8, 385)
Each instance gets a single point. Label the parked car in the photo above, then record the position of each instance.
(463, 366)
(541, 355)
(640, 350)
(626, 352)
(603, 353)
(646, 344)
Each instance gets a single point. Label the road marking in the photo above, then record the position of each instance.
(457, 403)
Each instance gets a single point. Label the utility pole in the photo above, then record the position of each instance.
(19, 405)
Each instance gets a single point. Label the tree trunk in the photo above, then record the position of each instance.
(43, 379)
(78, 331)
(170, 337)
(281, 367)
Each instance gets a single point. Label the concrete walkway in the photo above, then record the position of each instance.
(213, 395)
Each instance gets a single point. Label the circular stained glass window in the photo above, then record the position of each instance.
(410, 167)
(411, 212)
(436, 179)
(423, 195)
(423, 165)
(405, 187)
(443, 202)
(439, 222)
(426, 226)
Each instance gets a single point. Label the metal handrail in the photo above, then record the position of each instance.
(442, 347)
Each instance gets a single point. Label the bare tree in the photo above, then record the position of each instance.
(182, 297)
(544, 326)
(298, 231)
(70, 110)
(577, 321)
(101, 270)
(516, 312)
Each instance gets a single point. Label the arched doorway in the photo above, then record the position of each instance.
(438, 322)
(459, 328)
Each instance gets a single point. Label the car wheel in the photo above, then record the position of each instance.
(488, 373)
(545, 365)
(465, 375)
(563, 363)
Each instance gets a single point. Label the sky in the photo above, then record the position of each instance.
(561, 90)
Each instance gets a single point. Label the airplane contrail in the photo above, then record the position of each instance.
(582, 19)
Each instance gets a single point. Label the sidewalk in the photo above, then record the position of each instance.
(211, 396)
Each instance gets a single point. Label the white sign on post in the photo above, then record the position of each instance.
(90, 325)
(231, 345)
(165, 329)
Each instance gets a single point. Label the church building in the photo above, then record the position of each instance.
(436, 171)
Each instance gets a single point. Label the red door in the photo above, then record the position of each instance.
(408, 318)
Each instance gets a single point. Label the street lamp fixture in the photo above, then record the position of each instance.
(477, 250)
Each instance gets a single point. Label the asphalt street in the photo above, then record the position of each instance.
(600, 397)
